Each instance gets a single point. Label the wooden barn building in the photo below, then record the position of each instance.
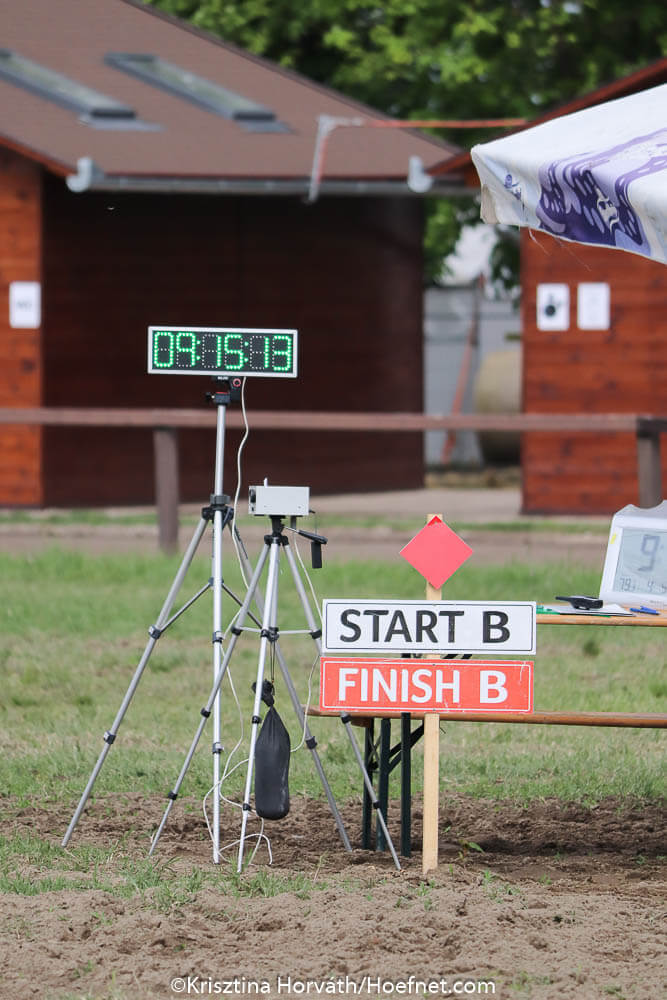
(151, 174)
(612, 361)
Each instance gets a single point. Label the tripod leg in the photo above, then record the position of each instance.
(345, 719)
(268, 633)
(310, 740)
(154, 632)
(206, 711)
(217, 650)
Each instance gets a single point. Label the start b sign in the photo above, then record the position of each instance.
(441, 686)
(431, 627)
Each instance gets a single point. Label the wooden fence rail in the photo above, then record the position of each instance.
(166, 423)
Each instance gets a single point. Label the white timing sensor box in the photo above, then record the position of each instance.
(279, 500)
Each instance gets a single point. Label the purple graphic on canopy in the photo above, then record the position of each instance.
(587, 197)
(597, 176)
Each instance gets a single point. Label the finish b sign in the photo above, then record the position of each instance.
(441, 686)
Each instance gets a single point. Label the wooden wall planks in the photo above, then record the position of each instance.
(621, 369)
(20, 349)
(345, 272)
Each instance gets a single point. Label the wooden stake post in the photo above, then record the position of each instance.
(431, 771)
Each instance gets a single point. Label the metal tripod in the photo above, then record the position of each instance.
(274, 543)
(220, 515)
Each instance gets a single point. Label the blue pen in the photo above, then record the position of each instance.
(645, 611)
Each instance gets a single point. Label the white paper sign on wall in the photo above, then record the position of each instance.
(553, 307)
(25, 306)
(593, 298)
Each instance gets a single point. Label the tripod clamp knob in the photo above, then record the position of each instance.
(218, 501)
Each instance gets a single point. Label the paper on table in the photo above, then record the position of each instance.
(567, 609)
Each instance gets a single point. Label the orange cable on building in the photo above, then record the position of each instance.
(327, 123)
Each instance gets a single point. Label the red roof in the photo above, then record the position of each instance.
(186, 144)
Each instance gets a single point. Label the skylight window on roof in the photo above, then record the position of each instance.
(198, 90)
(54, 86)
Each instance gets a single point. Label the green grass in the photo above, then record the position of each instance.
(94, 517)
(73, 627)
(30, 866)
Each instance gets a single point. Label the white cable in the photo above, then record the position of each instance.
(305, 713)
(259, 837)
(319, 615)
(238, 480)
(226, 773)
(306, 574)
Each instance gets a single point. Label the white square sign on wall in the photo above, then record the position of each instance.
(593, 300)
(553, 307)
(25, 309)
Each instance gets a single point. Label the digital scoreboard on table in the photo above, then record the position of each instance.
(222, 351)
(635, 568)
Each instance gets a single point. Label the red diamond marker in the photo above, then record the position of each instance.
(436, 552)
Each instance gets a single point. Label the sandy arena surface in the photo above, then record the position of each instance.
(564, 902)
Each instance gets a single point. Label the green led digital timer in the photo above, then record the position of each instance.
(223, 351)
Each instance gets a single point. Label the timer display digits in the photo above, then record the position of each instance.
(222, 351)
(642, 563)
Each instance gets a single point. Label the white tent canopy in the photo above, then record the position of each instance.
(597, 176)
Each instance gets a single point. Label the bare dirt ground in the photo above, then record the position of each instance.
(375, 527)
(381, 541)
(561, 901)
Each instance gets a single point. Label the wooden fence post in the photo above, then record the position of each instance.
(165, 448)
(649, 467)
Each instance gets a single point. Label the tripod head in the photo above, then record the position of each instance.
(226, 391)
(278, 535)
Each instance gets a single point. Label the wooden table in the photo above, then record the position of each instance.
(581, 618)
(381, 758)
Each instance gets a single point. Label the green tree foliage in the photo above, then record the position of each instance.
(445, 58)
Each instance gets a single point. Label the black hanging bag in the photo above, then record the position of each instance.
(272, 758)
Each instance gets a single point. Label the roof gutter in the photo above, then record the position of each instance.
(91, 177)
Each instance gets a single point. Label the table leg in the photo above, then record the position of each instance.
(366, 804)
(383, 779)
(406, 786)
